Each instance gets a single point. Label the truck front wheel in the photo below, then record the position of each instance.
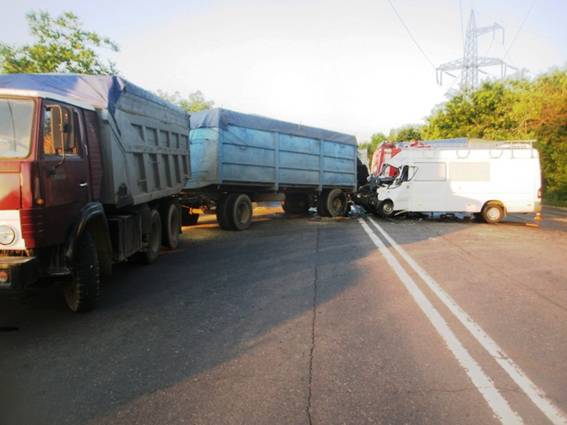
(82, 290)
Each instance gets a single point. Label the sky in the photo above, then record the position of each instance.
(348, 66)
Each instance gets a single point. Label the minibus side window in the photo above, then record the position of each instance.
(431, 171)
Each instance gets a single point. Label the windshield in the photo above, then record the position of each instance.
(15, 127)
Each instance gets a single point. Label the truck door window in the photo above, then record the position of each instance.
(60, 128)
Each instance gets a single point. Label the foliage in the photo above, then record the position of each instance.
(371, 146)
(195, 102)
(405, 133)
(514, 109)
(61, 45)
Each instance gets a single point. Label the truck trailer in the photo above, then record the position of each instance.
(237, 159)
(90, 172)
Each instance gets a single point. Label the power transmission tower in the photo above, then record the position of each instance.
(471, 63)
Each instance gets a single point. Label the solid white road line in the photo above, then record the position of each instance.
(535, 394)
(481, 381)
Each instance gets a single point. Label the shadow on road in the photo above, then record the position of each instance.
(200, 307)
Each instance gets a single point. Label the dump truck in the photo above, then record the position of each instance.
(90, 172)
(238, 158)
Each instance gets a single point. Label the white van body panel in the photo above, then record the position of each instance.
(464, 179)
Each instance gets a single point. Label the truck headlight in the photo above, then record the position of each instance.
(7, 235)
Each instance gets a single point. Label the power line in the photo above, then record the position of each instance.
(462, 26)
(519, 29)
(411, 35)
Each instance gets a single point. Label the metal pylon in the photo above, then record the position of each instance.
(470, 65)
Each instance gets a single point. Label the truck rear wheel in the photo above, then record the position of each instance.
(239, 208)
(151, 252)
(336, 203)
(82, 290)
(171, 225)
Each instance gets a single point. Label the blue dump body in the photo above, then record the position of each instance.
(231, 148)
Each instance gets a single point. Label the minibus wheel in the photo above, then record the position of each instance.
(386, 208)
(492, 213)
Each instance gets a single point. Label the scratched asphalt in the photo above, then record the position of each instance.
(296, 321)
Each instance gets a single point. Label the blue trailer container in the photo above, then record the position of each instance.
(234, 153)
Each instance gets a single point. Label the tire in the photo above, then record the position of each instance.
(296, 203)
(82, 290)
(151, 252)
(239, 211)
(492, 213)
(223, 216)
(171, 224)
(322, 204)
(386, 209)
(336, 203)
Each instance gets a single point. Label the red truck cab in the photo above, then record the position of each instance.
(49, 155)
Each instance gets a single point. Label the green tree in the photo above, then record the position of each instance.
(61, 45)
(405, 133)
(374, 142)
(514, 109)
(195, 102)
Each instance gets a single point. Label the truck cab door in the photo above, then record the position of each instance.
(64, 168)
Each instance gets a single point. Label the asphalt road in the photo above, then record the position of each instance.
(307, 321)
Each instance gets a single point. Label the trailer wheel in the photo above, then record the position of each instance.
(296, 203)
(386, 208)
(82, 290)
(223, 216)
(322, 204)
(336, 203)
(170, 227)
(492, 213)
(151, 252)
(239, 209)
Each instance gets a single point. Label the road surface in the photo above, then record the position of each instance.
(307, 321)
